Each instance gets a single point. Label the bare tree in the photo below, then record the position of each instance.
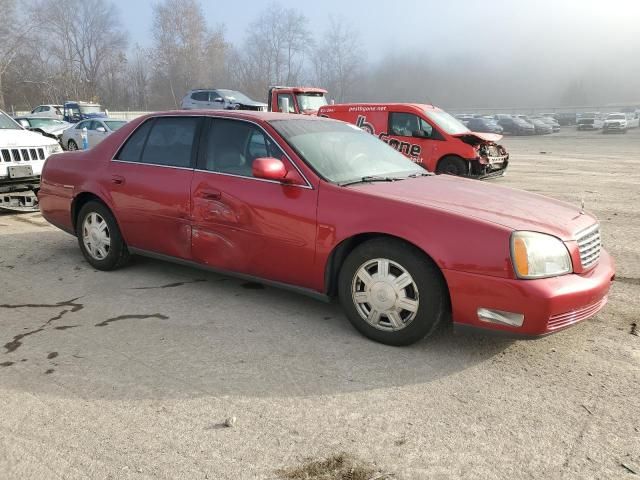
(86, 35)
(275, 50)
(339, 59)
(187, 53)
(139, 77)
(14, 28)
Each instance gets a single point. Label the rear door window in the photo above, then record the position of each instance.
(171, 142)
(200, 96)
(132, 150)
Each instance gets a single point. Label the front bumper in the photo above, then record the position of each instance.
(548, 305)
(20, 184)
(489, 167)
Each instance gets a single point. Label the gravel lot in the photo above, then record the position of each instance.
(131, 374)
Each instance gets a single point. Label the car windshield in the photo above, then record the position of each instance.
(617, 116)
(311, 101)
(446, 122)
(45, 122)
(90, 109)
(343, 153)
(114, 124)
(7, 123)
(234, 96)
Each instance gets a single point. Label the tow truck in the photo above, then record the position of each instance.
(302, 100)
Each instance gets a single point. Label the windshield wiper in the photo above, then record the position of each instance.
(421, 174)
(371, 178)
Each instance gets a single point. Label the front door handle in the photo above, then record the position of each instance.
(212, 194)
(117, 179)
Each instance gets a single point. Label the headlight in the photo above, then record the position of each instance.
(536, 255)
(56, 148)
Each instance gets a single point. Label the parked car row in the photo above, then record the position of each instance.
(510, 124)
(67, 123)
(618, 122)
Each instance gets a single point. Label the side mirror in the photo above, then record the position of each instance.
(218, 100)
(101, 130)
(269, 168)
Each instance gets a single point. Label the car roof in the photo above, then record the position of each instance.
(240, 114)
(419, 106)
(299, 89)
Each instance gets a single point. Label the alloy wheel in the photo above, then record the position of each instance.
(385, 294)
(96, 236)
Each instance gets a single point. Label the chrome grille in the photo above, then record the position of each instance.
(589, 245)
(21, 154)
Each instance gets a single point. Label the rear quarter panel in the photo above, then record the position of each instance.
(67, 175)
(60, 175)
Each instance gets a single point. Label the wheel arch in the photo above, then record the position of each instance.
(81, 200)
(453, 155)
(342, 250)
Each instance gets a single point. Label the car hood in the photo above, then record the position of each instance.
(475, 138)
(23, 138)
(55, 129)
(511, 208)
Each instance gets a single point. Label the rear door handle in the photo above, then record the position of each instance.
(117, 179)
(212, 194)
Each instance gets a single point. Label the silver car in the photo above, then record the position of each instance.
(220, 99)
(47, 126)
(97, 130)
(51, 111)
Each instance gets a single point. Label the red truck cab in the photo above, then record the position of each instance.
(304, 100)
(427, 135)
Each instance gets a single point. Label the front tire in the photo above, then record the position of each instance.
(453, 166)
(99, 237)
(72, 146)
(391, 292)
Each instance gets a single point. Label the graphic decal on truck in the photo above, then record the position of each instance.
(364, 125)
(412, 150)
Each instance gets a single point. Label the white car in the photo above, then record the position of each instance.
(615, 122)
(53, 111)
(97, 130)
(220, 99)
(22, 156)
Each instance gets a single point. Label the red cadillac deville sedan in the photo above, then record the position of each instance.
(322, 207)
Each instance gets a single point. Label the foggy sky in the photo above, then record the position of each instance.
(521, 51)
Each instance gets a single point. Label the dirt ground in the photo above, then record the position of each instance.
(132, 374)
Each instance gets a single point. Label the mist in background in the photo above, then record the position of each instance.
(458, 54)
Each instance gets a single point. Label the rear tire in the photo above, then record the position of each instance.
(99, 237)
(453, 166)
(391, 292)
